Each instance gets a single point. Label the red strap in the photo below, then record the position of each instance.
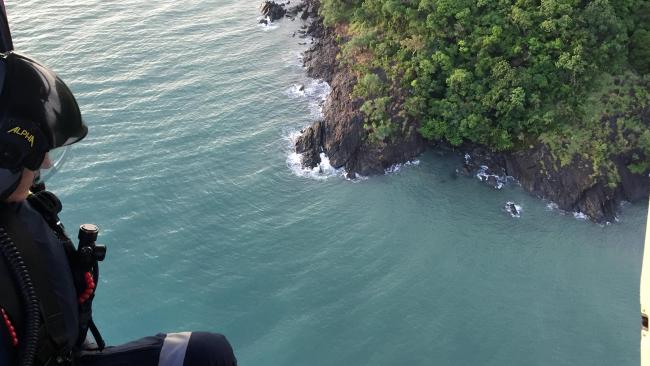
(10, 328)
(90, 288)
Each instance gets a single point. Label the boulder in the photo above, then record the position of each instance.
(309, 144)
(272, 10)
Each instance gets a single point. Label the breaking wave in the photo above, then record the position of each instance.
(315, 91)
(513, 209)
(396, 168)
(294, 59)
(552, 206)
(269, 26)
(497, 181)
(323, 171)
(484, 175)
(580, 216)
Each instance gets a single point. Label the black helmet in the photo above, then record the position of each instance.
(37, 113)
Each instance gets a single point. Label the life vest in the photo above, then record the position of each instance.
(29, 302)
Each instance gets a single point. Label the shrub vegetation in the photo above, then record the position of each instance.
(505, 73)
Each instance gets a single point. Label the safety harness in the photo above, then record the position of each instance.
(30, 305)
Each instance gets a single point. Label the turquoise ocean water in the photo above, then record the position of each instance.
(210, 226)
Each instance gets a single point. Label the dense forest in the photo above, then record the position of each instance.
(505, 74)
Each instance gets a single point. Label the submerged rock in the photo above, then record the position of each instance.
(513, 209)
(573, 187)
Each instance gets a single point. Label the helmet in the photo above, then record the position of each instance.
(37, 113)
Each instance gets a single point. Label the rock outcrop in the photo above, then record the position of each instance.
(342, 137)
(310, 144)
(272, 11)
(572, 187)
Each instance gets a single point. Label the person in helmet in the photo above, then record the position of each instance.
(46, 290)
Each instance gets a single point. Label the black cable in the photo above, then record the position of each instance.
(32, 310)
(101, 344)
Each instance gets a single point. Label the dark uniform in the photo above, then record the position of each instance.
(38, 113)
(173, 349)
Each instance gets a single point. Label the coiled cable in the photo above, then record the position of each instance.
(32, 309)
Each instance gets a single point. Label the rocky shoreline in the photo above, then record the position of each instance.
(341, 134)
(342, 137)
(572, 187)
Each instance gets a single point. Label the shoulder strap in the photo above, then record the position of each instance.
(51, 313)
(49, 206)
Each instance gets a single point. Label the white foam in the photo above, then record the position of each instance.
(357, 178)
(313, 88)
(315, 91)
(323, 171)
(294, 59)
(518, 208)
(396, 168)
(552, 206)
(580, 216)
(483, 176)
(296, 91)
(267, 27)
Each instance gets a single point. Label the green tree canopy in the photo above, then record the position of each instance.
(494, 72)
(504, 73)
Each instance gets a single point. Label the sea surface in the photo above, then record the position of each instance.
(211, 225)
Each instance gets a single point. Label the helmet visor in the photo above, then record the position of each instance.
(52, 163)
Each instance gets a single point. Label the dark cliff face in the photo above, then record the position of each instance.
(572, 187)
(341, 135)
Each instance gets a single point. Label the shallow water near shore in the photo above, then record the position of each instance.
(209, 226)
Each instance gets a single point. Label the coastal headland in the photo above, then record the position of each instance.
(576, 171)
